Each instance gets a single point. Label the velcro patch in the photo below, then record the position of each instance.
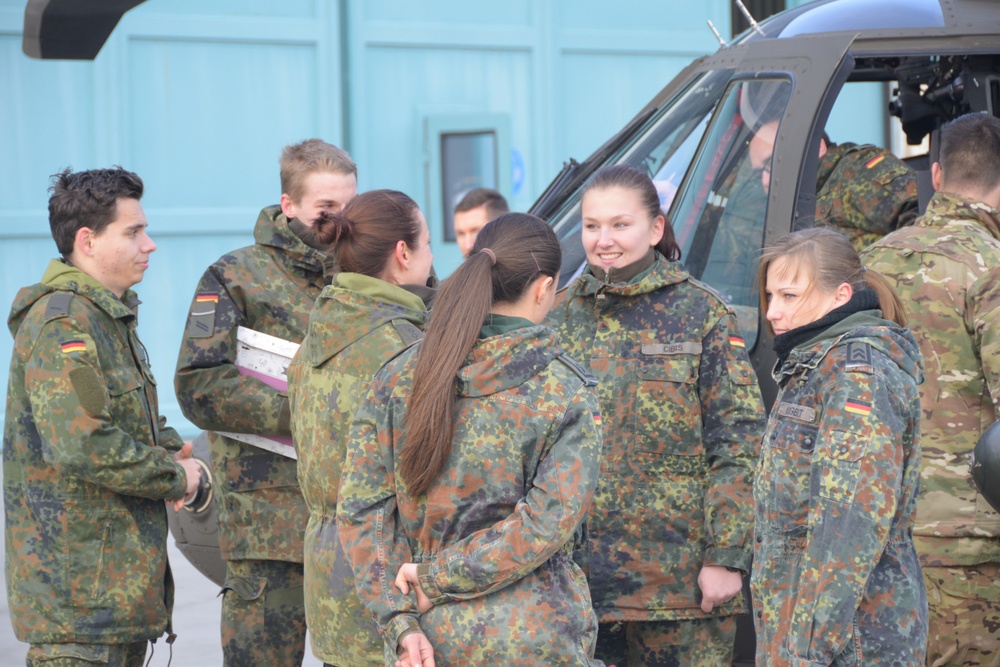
(201, 319)
(89, 390)
(874, 161)
(799, 412)
(658, 349)
(859, 356)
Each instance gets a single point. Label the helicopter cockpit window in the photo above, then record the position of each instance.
(719, 215)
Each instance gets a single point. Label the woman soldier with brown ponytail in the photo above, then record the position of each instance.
(374, 308)
(471, 464)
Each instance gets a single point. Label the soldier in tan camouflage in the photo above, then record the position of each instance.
(862, 191)
(681, 417)
(373, 310)
(87, 461)
(471, 464)
(269, 287)
(946, 269)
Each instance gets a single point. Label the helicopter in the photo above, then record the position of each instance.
(938, 59)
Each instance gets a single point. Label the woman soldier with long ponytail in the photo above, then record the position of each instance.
(471, 464)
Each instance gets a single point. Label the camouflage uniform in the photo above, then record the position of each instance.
(87, 464)
(269, 287)
(836, 580)
(357, 324)
(493, 537)
(864, 192)
(947, 268)
(682, 418)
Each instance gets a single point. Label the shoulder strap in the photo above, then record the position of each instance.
(588, 379)
(408, 331)
(58, 304)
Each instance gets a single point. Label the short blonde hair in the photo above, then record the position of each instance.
(306, 157)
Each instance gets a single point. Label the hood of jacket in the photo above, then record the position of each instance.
(663, 272)
(499, 363)
(866, 326)
(946, 209)
(353, 306)
(60, 276)
(272, 230)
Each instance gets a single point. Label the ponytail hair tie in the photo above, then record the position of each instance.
(489, 253)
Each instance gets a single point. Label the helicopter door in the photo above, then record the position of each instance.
(737, 193)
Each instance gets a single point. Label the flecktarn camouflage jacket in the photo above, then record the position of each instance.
(357, 325)
(87, 464)
(682, 418)
(836, 579)
(269, 287)
(493, 537)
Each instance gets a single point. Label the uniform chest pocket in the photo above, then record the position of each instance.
(125, 390)
(839, 465)
(668, 407)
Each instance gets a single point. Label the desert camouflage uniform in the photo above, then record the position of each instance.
(864, 192)
(493, 536)
(946, 269)
(269, 287)
(357, 324)
(682, 419)
(87, 465)
(836, 579)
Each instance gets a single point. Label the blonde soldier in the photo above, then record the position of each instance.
(471, 463)
(373, 310)
(682, 418)
(946, 270)
(836, 579)
(269, 287)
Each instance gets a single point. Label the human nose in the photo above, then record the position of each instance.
(149, 245)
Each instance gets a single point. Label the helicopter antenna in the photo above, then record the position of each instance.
(711, 26)
(749, 17)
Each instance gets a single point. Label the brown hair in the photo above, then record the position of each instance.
(364, 235)
(970, 153)
(476, 197)
(628, 177)
(87, 199)
(307, 157)
(830, 260)
(524, 248)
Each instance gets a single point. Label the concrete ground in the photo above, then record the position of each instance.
(196, 621)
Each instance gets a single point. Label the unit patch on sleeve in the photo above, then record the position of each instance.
(201, 320)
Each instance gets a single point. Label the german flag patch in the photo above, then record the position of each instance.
(737, 341)
(874, 161)
(856, 407)
(73, 346)
(597, 419)
(206, 298)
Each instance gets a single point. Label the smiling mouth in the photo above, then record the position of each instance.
(609, 256)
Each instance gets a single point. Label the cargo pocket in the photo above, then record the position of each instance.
(243, 610)
(44, 654)
(838, 464)
(667, 409)
(104, 561)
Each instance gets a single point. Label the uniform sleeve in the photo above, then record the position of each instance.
(983, 320)
(71, 400)
(170, 440)
(367, 518)
(855, 483)
(733, 418)
(210, 389)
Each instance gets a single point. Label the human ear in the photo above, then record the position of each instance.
(656, 231)
(843, 295)
(287, 206)
(542, 287)
(84, 240)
